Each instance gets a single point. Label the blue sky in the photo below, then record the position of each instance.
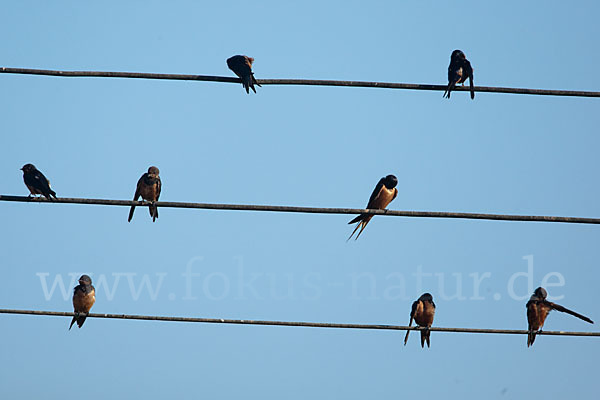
(311, 146)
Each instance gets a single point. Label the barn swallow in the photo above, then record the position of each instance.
(242, 67)
(382, 196)
(458, 71)
(423, 311)
(537, 311)
(84, 297)
(36, 182)
(148, 187)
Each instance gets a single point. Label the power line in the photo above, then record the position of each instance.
(296, 324)
(307, 210)
(301, 82)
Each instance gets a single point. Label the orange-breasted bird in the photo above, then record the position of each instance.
(382, 196)
(84, 297)
(537, 311)
(148, 187)
(422, 312)
(458, 71)
(242, 67)
(36, 182)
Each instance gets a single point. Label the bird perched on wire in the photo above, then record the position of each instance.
(36, 182)
(382, 196)
(148, 187)
(537, 311)
(458, 71)
(242, 67)
(84, 297)
(422, 312)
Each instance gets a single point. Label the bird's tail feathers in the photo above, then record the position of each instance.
(355, 220)
(153, 212)
(531, 337)
(448, 90)
(255, 81)
(81, 320)
(247, 82)
(354, 231)
(362, 224)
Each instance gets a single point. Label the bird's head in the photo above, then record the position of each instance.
(457, 54)
(540, 293)
(390, 181)
(28, 168)
(85, 280)
(153, 171)
(426, 297)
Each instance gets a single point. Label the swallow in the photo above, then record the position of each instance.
(423, 311)
(84, 297)
(148, 187)
(382, 196)
(36, 182)
(537, 311)
(242, 67)
(458, 71)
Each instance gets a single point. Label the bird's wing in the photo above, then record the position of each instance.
(412, 315)
(240, 66)
(375, 193)
(42, 181)
(136, 196)
(408, 331)
(138, 188)
(158, 187)
(469, 70)
(372, 200)
(560, 308)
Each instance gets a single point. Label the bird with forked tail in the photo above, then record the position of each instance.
(422, 312)
(148, 186)
(84, 297)
(537, 311)
(385, 191)
(36, 182)
(242, 67)
(458, 71)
